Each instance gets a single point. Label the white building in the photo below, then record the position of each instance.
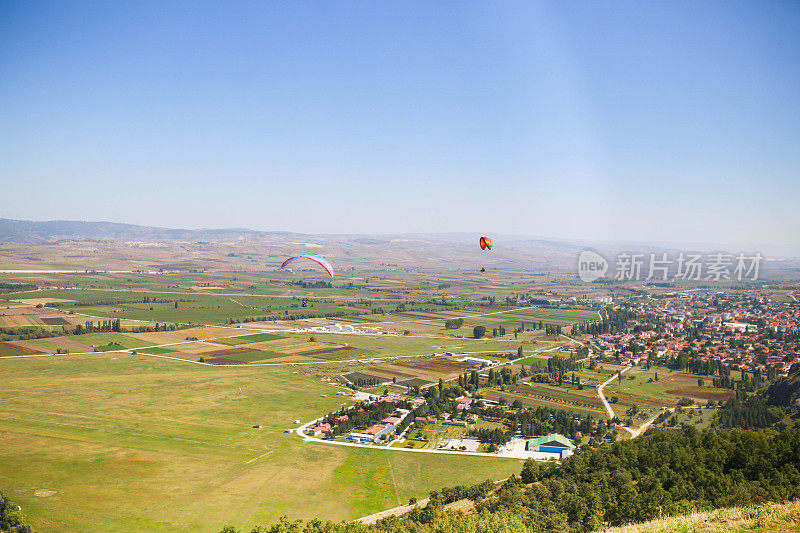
(740, 326)
(476, 361)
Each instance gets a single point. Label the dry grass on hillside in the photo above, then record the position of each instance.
(770, 517)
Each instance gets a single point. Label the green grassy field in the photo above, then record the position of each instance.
(122, 442)
(247, 339)
(643, 389)
(158, 350)
(436, 434)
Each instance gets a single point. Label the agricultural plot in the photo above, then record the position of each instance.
(431, 369)
(432, 436)
(27, 315)
(196, 302)
(259, 356)
(43, 345)
(206, 332)
(191, 307)
(585, 399)
(394, 345)
(249, 339)
(701, 393)
(55, 321)
(600, 374)
(533, 401)
(336, 351)
(158, 350)
(414, 382)
(53, 344)
(120, 341)
(193, 347)
(88, 342)
(293, 346)
(9, 349)
(408, 372)
(242, 354)
(110, 347)
(280, 350)
(41, 301)
(355, 377)
(515, 317)
(645, 391)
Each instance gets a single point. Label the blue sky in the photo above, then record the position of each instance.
(644, 121)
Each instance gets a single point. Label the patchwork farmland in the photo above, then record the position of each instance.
(166, 406)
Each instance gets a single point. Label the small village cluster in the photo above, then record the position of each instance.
(387, 427)
(393, 428)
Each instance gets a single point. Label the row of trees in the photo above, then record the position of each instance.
(104, 325)
(364, 382)
(287, 316)
(495, 436)
(312, 284)
(21, 333)
(11, 333)
(17, 287)
(613, 321)
(555, 370)
(480, 331)
(154, 300)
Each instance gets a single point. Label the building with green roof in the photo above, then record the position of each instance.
(549, 442)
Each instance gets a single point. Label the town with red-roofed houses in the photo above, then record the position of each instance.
(700, 329)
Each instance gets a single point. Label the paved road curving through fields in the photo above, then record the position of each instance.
(602, 386)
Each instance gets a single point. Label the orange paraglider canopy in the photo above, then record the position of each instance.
(486, 243)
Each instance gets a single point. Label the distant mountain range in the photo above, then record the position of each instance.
(72, 240)
(516, 246)
(28, 231)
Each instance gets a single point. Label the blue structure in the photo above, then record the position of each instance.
(551, 449)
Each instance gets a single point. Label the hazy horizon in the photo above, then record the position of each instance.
(469, 236)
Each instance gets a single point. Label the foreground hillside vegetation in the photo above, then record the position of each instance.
(662, 474)
(765, 517)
